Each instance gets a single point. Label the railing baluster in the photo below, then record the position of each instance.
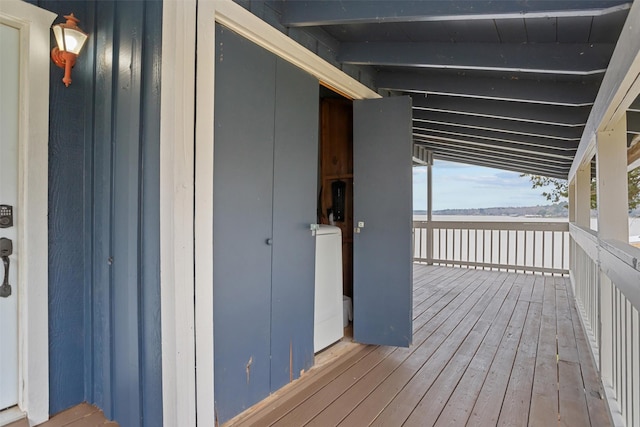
(628, 360)
(553, 249)
(524, 257)
(535, 237)
(507, 251)
(446, 244)
(475, 253)
(468, 243)
(562, 245)
(635, 368)
(516, 244)
(545, 248)
(491, 247)
(484, 248)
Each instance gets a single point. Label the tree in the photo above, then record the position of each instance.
(560, 192)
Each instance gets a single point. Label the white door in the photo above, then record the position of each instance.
(9, 108)
(24, 129)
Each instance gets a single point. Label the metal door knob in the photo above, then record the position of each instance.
(269, 242)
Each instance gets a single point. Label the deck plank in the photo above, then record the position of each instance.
(446, 322)
(544, 399)
(489, 371)
(304, 412)
(425, 341)
(297, 392)
(439, 287)
(82, 415)
(490, 348)
(517, 398)
(401, 407)
(480, 346)
(572, 400)
(437, 314)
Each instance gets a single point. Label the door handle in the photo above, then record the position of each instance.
(6, 249)
(269, 242)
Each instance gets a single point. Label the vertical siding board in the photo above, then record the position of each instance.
(101, 208)
(150, 353)
(125, 232)
(89, 103)
(66, 242)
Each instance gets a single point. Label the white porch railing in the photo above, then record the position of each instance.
(538, 247)
(606, 279)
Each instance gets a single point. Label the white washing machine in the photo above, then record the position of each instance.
(328, 327)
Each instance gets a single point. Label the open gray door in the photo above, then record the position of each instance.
(382, 271)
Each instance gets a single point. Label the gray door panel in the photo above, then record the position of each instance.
(383, 201)
(294, 209)
(242, 222)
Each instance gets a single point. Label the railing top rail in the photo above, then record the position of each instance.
(587, 232)
(628, 254)
(495, 225)
(618, 260)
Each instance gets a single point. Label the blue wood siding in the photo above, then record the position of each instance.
(104, 287)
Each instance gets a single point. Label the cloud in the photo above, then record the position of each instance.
(460, 186)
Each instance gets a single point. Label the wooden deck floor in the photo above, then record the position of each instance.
(82, 415)
(490, 348)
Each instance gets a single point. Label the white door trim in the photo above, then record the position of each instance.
(33, 323)
(177, 115)
(186, 227)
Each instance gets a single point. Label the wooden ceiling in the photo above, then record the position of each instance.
(504, 84)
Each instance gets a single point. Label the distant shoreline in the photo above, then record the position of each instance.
(544, 211)
(634, 222)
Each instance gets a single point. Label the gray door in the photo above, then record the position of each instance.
(382, 273)
(265, 182)
(242, 222)
(295, 180)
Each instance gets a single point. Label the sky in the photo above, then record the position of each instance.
(459, 186)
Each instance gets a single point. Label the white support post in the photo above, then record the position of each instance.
(582, 205)
(572, 219)
(429, 207)
(572, 200)
(613, 198)
(613, 223)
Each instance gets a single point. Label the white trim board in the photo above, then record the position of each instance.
(177, 114)
(186, 233)
(33, 323)
(243, 22)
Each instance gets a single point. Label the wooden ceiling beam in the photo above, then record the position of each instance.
(579, 59)
(331, 12)
(567, 93)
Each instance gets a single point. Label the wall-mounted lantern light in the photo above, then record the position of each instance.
(70, 39)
